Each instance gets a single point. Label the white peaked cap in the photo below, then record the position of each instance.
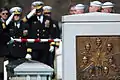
(47, 8)
(13, 9)
(107, 5)
(37, 3)
(96, 3)
(79, 6)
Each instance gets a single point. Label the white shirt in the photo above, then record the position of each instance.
(17, 24)
(40, 18)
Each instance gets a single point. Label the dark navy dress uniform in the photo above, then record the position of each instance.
(56, 30)
(4, 38)
(55, 34)
(40, 30)
(17, 30)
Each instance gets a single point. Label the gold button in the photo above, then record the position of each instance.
(19, 45)
(38, 30)
(43, 30)
(37, 34)
(13, 44)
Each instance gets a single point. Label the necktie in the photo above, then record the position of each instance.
(40, 18)
(17, 24)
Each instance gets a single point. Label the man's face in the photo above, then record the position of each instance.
(72, 10)
(107, 10)
(16, 17)
(39, 12)
(4, 14)
(80, 11)
(94, 9)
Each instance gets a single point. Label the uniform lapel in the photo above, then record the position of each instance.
(40, 19)
(43, 19)
(16, 28)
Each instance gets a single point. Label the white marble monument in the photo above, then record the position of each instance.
(88, 24)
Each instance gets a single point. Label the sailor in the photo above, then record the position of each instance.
(55, 33)
(40, 27)
(107, 7)
(4, 38)
(17, 29)
(79, 9)
(95, 6)
(71, 9)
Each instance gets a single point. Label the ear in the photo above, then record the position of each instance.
(0, 14)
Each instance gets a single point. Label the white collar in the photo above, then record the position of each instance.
(17, 24)
(2, 20)
(40, 18)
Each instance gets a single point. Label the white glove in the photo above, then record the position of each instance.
(9, 19)
(51, 48)
(11, 41)
(28, 56)
(31, 13)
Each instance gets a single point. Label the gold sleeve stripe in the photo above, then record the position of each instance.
(52, 43)
(29, 50)
(57, 43)
(3, 25)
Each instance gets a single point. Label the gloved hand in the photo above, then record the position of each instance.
(9, 19)
(28, 56)
(51, 48)
(25, 32)
(31, 13)
(11, 41)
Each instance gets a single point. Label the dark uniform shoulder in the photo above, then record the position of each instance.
(33, 18)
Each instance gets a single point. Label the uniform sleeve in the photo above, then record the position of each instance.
(1, 29)
(4, 36)
(54, 31)
(26, 20)
(51, 29)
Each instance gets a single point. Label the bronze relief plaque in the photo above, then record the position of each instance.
(98, 58)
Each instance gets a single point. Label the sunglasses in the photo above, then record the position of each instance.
(4, 13)
(17, 15)
(47, 13)
(39, 10)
